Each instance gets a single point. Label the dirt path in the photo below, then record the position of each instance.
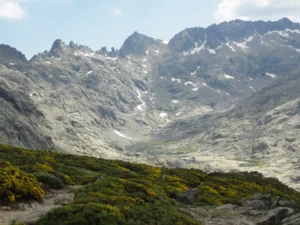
(30, 212)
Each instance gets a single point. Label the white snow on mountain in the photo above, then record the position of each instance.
(271, 75)
(122, 135)
(228, 76)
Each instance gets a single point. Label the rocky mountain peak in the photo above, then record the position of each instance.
(137, 44)
(57, 44)
(73, 45)
(57, 48)
(237, 31)
(102, 51)
(10, 55)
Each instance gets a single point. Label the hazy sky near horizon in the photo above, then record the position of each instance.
(31, 26)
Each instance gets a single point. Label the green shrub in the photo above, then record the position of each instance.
(49, 179)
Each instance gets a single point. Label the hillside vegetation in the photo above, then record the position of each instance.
(117, 192)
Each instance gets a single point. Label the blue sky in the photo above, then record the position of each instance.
(32, 25)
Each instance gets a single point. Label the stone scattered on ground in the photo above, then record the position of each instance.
(258, 210)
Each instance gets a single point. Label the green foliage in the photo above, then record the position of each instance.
(49, 179)
(117, 192)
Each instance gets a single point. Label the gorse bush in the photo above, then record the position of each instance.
(49, 179)
(17, 185)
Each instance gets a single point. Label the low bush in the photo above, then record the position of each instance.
(49, 179)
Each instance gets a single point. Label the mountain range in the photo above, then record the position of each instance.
(224, 97)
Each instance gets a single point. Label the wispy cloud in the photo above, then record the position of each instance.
(257, 10)
(10, 9)
(117, 12)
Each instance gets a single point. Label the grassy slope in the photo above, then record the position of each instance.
(116, 192)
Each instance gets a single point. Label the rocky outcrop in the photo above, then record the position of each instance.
(187, 197)
(137, 44)
(10, 55)
(258, 210)
(292, 220)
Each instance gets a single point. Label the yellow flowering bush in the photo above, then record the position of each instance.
(17, 185)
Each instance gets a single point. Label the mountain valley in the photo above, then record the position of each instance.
(221, 98)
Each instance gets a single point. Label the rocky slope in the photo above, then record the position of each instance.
(185, 101)
(259, 134)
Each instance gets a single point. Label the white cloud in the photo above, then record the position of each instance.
(257, 10)
(11, 9)
(117, 11)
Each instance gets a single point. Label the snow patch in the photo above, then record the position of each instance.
(229, 46)
(212, 51)
(80, 53)
(241, 45)
(165, 42)
(175, 101)
(143, 105)
(293, 31)
(249, 39)
(179, 113)
(163, 78)
(156, 50)
(146, 72)
(197, 49)
(283, 33)
(228, 76)
(12, 64)
(48, 62)
(271, 75)
(193, 73)
(252, 88)
(176, 80)
(89, 72)
(122, 135)
(195, 87)
(163, 115)
(143, 65)
(113, 59)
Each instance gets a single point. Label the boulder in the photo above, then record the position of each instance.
(256, 204)
(64, 199)
(187, 197)
(274, 217)
(289, 204)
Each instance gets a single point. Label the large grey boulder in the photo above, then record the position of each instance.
(289, 204)
(274, 217)
(188, 197)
